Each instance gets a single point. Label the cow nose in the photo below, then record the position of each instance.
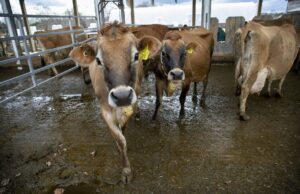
(176, 74)
(122, 96)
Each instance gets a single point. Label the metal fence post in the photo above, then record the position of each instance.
(26, 48)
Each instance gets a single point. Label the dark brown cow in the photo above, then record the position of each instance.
(116, 75)
(185, 58)
(56, 40)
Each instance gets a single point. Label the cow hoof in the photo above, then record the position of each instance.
(244, 117)
(278, 95)
(137, 116)
(181, 114)
(126, 175)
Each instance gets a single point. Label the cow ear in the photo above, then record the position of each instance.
(148, 47)
(190, 47)
(251, 34)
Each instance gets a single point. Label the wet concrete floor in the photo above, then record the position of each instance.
(53, 137)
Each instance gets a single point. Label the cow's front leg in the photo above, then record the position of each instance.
(185, 89)
(159, 86)
(243, 99)
(194, 98)
(118, 136)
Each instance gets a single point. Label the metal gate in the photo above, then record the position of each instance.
(28, 55)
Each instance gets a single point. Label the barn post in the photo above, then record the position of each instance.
(75, 10)
(206, 12)
(96, 4)
(27, 26)
(12, 29)
(259, 6)
(194, 13)
(132, 11)
(152, 2)
(121, 7)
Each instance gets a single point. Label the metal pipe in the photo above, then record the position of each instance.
(194, 13)
(44, 16)
(132, 11)
(121, 7)
(29, 59)
(75, 11)
(259, 6)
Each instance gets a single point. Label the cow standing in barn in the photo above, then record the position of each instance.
(116, 72)
(266, 53)
(185, 58)
(54, 41)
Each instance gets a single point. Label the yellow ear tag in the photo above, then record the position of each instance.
(144, 54)
(190, 50)
(128, 110)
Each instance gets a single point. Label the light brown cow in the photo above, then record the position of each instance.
(116, 74)
(267, 53)
(185, 58)
(56, 40)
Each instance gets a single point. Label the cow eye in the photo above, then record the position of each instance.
(85, 53)
(136, 56)
(98, 61)
(165, 55)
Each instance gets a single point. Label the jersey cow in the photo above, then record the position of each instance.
(267, 52)
(185, 58)
(116, 72)
(56, 40)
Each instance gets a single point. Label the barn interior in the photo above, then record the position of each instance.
(53, 140)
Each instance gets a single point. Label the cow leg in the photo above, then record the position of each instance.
(243, 99)
(50, 59)
(194, 98)
(185, 89)
(203, 96)
(118, 136)
(269, 87)
(279, 92)
(159, 93)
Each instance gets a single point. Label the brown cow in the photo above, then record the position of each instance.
(267, 53)
(185, 58)
(116, 75)
(56, 40)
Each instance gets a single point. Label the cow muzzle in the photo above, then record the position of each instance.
(176, 74)
(122, 96)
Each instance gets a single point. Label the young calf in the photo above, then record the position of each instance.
(185, 58)
(266, 53)
(116, 73)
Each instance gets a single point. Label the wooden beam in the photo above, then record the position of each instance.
(194, 13)
(75, 10)
(259, 6)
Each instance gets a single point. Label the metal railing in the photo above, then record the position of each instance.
(29, 56)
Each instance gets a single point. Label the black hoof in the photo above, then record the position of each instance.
(244, 117)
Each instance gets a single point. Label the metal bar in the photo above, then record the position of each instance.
(27, 26)
(29, 59)
(121, 7)
(32, 87)
(194, 13)
(35, 71)
(259, 6)
(96, 4)
(40, 35)
(75, 10)
(43, 16)
(132, 11)
(35, 54)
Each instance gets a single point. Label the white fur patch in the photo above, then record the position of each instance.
(112, 103)
(260, 81)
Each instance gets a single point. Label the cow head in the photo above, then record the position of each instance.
(173, 56)
(120, 54)
(83, 54)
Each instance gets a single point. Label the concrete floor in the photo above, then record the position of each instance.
(47, 137)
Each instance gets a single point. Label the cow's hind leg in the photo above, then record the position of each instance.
(194, 98)
(243, 99)
(185, 89)
(269, 88)
(118, 136)
(279, 90)
(203, 96)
